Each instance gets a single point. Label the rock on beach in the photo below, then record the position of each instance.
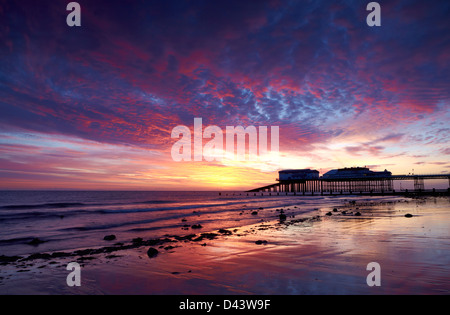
(152, 252)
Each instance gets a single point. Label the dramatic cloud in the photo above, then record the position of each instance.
(343, 93)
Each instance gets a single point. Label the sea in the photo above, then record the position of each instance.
(47, 221)
(327, 254)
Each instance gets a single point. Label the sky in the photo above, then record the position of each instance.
(94, 106)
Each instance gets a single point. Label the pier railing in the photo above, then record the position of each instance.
(348, 185)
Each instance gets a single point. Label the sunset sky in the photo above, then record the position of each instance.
(93, 107)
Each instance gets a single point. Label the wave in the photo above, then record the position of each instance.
(78, 204)
(43, 205)
(36, 215)
(153, 202)
(55, 214)
(18, 240)
(134, 210)
(108, 209)
(107, 226)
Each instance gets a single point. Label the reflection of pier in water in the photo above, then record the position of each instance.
(348, 185)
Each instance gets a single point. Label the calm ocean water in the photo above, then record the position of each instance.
(67, 220)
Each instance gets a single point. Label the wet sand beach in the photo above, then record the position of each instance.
(323, 251)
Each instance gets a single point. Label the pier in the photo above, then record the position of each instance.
(353, 185)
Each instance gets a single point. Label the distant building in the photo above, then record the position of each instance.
(354, 172)
(298, 174)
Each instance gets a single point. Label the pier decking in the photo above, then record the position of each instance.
(357, 185)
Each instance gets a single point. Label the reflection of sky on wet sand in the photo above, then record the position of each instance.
(323, 257)
(331, 256)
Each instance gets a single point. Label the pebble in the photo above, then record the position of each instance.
(109, 237)
(152, 252)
